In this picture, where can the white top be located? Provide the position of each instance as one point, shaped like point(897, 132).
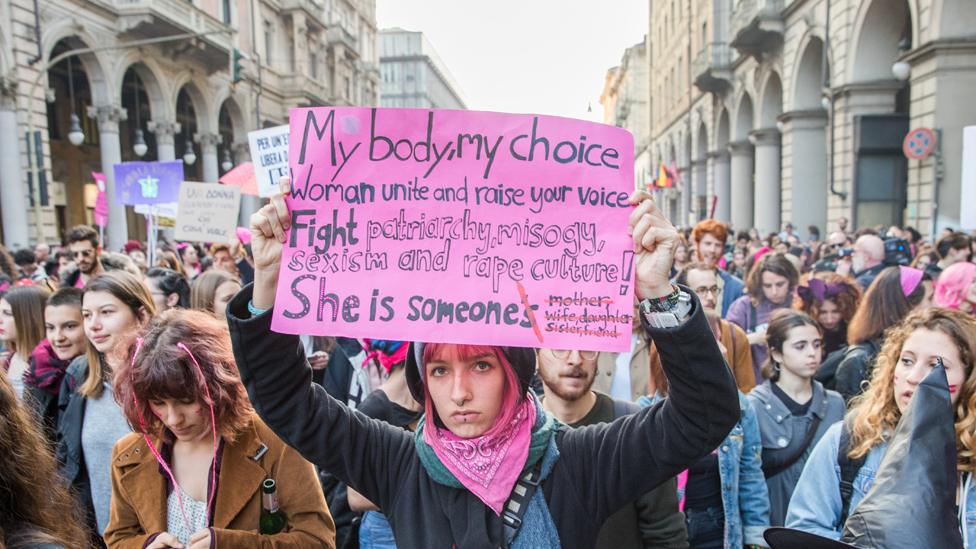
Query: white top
point(620, 385)
point(18, 367)
point(195, 516)
point(101, 427)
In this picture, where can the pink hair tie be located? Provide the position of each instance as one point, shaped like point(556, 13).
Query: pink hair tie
point(910, 278)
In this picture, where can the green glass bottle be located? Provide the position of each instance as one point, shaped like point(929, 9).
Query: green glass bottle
point(273, 519)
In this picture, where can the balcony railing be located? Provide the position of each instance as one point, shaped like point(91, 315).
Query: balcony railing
point(757, 25)
point(337, 34)
point(155, 18)
point(711, 68)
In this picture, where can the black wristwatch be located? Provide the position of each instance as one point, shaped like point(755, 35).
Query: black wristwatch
point(668, 311)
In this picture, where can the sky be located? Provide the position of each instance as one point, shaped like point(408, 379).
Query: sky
point(525, 56)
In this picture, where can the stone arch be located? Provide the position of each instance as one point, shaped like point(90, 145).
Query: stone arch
point(744, 118)
point(808, 76)
point(878, 29)
point(723, 130)
point(147, 70)
point(701, 141)
point(771, 101)
point(206, 115)
point(236, 115)
point(76, 38)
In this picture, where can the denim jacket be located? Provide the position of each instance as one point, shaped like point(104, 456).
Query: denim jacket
point(745, 500)
point(815, 506)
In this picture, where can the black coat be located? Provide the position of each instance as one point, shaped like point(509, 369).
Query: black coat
point(69, 453)
point(601, 468)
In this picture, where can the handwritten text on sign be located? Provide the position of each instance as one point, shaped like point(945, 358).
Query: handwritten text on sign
point(207, 212)
point(460, 227)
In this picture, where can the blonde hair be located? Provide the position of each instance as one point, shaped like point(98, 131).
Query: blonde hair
point(874, 414)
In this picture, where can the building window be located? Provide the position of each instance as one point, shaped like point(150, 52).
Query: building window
point(225, 4)
point(348, 87)
point(313, 62)
point(268, 42)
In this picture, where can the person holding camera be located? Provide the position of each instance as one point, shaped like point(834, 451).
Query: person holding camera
point(868, 260)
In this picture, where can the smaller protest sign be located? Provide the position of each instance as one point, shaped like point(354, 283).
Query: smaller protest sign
point(167, 210)
point(242, 176)
point(147, 182)
point(269, 154)
point(207, 212)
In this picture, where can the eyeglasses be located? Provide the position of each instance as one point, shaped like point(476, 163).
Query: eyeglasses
point(835, 245)
point(702, 290)
point(563, 354)
point(82, 253)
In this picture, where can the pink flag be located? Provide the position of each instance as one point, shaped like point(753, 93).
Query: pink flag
point(101, 203)
point(242, 176)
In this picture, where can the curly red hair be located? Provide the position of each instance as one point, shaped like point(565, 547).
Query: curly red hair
point(710, 226)
point(163, 370)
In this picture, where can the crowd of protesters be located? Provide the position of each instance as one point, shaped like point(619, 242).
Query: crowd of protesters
point(145, 405)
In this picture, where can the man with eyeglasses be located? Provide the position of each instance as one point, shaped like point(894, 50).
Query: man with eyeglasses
point(85, 249)
point(567, 380)
point(703, 279)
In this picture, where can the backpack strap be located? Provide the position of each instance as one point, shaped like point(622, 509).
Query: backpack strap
point(518, 502)
point(848, 472)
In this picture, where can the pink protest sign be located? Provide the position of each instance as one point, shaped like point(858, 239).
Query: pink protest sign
point(242, 176)
point(101, 203)
point(458, 227)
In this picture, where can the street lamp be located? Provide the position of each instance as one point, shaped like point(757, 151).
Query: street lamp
point(139, 145)
point(75, 135)
point(226, 163)
point(189, 156)
point(902, 69)
point(825, 102)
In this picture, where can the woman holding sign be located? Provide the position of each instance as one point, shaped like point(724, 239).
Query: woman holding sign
point(469, 475)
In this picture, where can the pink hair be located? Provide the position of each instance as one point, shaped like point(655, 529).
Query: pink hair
point(951, 287)
point(510, 394)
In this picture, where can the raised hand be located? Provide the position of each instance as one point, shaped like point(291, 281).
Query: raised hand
point(655, 241)
point(269, 231)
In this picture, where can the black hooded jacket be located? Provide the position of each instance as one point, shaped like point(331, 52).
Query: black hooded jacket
point(600, 469)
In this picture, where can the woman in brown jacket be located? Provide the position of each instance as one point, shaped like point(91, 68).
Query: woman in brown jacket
point(191, 475)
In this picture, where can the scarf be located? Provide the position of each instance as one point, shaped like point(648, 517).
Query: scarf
point(488, 466)
point(46, 369)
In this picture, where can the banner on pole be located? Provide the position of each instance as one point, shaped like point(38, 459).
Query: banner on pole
point(269, 156)
point(147, 182)
point(458, 227)
point(207, 212)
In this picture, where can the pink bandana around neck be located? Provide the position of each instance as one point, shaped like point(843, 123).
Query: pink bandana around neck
point(488, 465)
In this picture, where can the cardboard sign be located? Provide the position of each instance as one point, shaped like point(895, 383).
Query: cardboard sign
point(458, 227)
point(269, 155)
point(147, 182)
point(207, 212)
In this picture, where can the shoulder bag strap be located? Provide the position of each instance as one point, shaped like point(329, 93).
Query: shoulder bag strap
point(518, 502)
point(773, 470)
point(848, 472)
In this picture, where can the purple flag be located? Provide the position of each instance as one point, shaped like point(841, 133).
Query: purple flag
point(148, 182)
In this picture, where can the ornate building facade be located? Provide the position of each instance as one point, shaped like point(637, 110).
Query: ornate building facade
point(125, 90)
point(795, 110)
